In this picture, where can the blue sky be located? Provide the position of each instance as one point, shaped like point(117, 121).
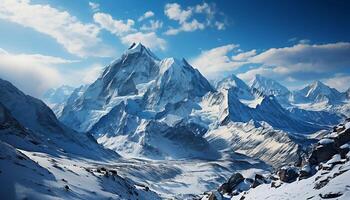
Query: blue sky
point(46, 43)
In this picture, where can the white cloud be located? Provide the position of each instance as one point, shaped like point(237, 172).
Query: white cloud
point(76, 37)
point(250, 75)
point(117, 27)
point(187, 27)
point(304, 57)
point(146, 15)
point(89, 74)
point(244, 55)
point(204, 8)
point(175, 12)
point(95, 7)
point(32, 73)
point(341, 82)
point(153, 25)
point(127, 34)
point(303, 62)
point(151, 40)
point(220, 25)
point(186, 20)
point(214, 62)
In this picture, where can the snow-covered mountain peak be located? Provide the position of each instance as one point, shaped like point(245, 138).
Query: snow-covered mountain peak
point(318, 87)
point(139, 48)
point(231, 81)
point(168, 63)
point(269, 86)
point(319, 92)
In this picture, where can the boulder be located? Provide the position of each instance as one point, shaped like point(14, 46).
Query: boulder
point(215, 195)
point(288, 174)
point(322, 152)
point(343, 150)
point(234, 180)
point(276, 184)
point(258, 180)
point(305, 172)
point(342, 138)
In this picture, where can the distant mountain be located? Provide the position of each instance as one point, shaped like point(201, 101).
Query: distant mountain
point(316, 103)
point(55, 98)
point(269, 86)
point(319, 92)
point(241, 89)
point(57, 95)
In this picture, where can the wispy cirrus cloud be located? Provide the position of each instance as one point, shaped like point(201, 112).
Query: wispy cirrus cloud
point(76, 37)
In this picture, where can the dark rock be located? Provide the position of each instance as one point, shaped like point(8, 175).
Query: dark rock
point(258, 180)
point(215, 196)
point(66, 187)
point(321, 184)
point(305, 172)
point(342, 138)
point(331, 195)
point(114, 172)
point(288, 174)
point(225, 188)
point(343, 150)
point(322, 153)
point(275, 184)
point(234, 180)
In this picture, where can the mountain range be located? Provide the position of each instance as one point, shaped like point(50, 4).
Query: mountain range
point(142, 106)
point(151, 128)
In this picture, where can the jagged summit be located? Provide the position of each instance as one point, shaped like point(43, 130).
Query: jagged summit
point(319, 92)
point(269, 86)
point(231, 81)
point(139, 48)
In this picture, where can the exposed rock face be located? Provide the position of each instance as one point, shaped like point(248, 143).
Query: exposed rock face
point(234, 180)
point(288, 174)
point(334, 143)
point(322, 153)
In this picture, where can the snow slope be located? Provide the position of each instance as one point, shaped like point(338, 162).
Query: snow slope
point(31, 175)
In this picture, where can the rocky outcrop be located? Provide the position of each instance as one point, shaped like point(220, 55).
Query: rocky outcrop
point(230, 185)
point(328, 159)
point(288, 174)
